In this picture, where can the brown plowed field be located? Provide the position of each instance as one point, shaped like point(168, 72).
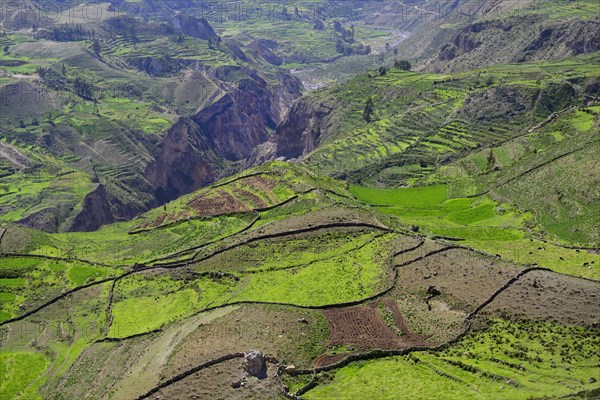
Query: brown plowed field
point(250, 198)
point(363, 328)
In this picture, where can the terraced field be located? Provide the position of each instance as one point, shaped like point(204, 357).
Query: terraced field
point(424, 121)
point(181, 219)
point(333, 282)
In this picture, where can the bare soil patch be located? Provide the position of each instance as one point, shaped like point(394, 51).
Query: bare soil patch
point(294, 336)
point(250, 198)
point(215, 383)
point(363, 328)
point(550, 296)
point(217, 203)
point(263, 184)
point(464, 278)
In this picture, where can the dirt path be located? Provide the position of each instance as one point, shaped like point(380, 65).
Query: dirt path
point(144, 374)
point(13, 156)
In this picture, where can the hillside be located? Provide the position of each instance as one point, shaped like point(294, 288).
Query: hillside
point(302, 199)
point(284, 245)
point(120, 102)
point(483, 131)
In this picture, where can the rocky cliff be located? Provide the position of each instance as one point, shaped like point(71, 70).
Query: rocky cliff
point(95, 212)
point(303, 129)
point(197, 149)
point(517, 39)
point(183, 163)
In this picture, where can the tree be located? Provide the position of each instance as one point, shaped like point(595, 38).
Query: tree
point(214, 41)
point(96, 47)
point(369, 109)
point(83, 89)
point(403, 65)
point(491, 160)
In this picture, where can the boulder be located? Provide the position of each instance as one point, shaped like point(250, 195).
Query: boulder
point(254, 364)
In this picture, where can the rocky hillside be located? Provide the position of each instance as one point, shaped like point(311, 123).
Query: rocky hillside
point(138, 111)
point(515, 40)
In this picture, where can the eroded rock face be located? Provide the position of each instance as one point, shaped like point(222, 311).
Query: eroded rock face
point(197, 149)
point(300, 133)
point(182, 163)
point(254, 364)
point(263, 51)
point(517, 39)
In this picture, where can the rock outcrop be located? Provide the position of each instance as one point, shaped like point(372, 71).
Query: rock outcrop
point(516, 40)
point(183, 163)
point(197, 149)
point(303, 130)
point(264, 52)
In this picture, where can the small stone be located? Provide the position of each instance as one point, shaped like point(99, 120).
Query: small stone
point(303, 320)
point(290, 368)
point(236, 384)
point(592, 380)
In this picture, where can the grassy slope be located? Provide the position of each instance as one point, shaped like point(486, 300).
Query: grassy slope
point(426, 133)
point(484, 224)
point(507, 360)
point(144, 303)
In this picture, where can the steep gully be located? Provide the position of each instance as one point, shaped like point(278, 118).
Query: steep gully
point(198, 148)
point(216, 140)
